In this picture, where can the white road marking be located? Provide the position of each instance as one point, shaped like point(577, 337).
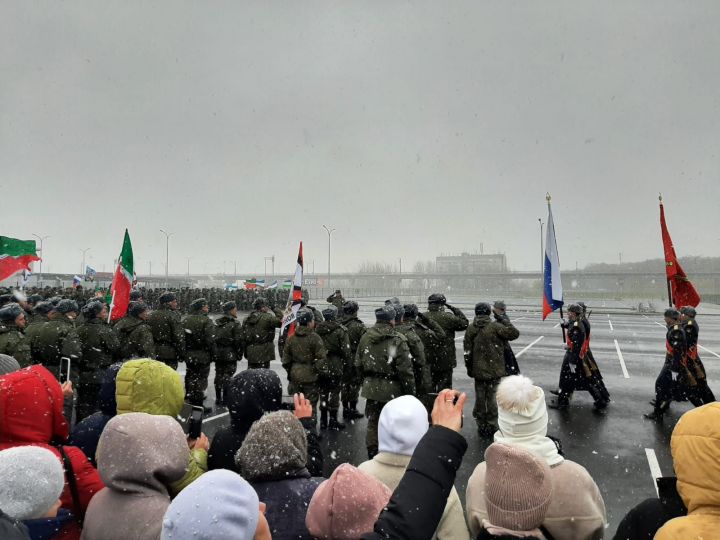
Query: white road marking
point(211, 418)
point(611, 326)
point(519, 319)
point(655, 471)
point(558, 324)
point(622, 360)
point(528, 347)
point(708, 350)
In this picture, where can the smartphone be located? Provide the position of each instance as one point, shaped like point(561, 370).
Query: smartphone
point(64, 375)
point(195, 422)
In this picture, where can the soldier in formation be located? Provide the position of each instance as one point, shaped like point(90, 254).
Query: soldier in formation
point(336, 299)
point(167, 330)
point(259, 334)
point(577, 371)
point(303, 356)
point(12, 339)
point(702, 393)
point(383, 359)
point(229, 341)
point(201, 351)
point(134, 333)
point(442, 357)
point(337, 344)
point(485, 361)
point(351, 383)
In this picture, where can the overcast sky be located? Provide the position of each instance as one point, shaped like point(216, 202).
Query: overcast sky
point(413, 128)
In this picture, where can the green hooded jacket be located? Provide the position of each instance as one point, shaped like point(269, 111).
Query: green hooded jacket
point(14, 343)
point(442, 356)
point(383, 359)
point(152, 387)
point(337, 343)
point(136, 339)
point(484, 346)
point(303, 356)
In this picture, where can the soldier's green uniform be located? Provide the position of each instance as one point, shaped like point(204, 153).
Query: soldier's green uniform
point(201, 351)
point(259, 337)
point(337, 300)
point(352, 381)
point(168, 335)
point(421, 369)
point(136, 339)
point(58, 339)
point(303, 356)
point(431, 335)
point(384, 360)
point(14, 343)
point(337, 343)
point(228, 338)
point(442, 357)
point(100, 348)
point(282, 338)
point(484, 347)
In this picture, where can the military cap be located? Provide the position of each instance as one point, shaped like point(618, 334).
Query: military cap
point(350, 307)
point(42, 308)
point(337, 291)
point(411, 311)
point(385, 313)
point(574, 308)
point(672, 313)
point(6, 299)
point(583, 306)
point(10, 312)
point(688, 311)
point(136, 295)
point(330, 313)
point(259, 303)
point(55, 300)
point(34, 299)
point(136, 308)
point(482, 308)
point(227, 307)
point(437, 298)
point(197, 305)
point(167, 297)
point(92, 309)
point(304, 317)
point(66, 306)
point(499, 304)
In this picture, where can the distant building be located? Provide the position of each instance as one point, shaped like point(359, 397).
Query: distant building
point(467, 263)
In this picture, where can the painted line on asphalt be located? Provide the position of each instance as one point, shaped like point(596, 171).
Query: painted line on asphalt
point(528, 347)
point(611, 326)
point(211, 418)
point(655, 471)
point(659, 324)
point(708, 350)
point(558, 324)
point(622, 360)
point(518, 319)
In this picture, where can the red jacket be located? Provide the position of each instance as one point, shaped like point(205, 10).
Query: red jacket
point(31, 413)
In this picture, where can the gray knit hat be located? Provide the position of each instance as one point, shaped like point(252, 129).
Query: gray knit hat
point(275, 446)
point(330, 313)
point(385, 313)
point(8, 364)
point(66, 306)
point(10, 312)
point(518, 487)
point(31, 481)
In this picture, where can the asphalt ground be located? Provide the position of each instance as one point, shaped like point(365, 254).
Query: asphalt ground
point(622, 451)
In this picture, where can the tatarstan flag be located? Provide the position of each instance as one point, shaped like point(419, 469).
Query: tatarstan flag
point(16, 255)
point(122, 281)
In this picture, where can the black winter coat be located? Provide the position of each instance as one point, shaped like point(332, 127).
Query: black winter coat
point(643, 521)
point(287, 503)
point(418, 503)
point(251, 394)
point(11, 529)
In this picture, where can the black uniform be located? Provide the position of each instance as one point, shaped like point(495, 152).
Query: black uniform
point(597, 381)
point(576, 373)
point(701, 394)
point(675, 381)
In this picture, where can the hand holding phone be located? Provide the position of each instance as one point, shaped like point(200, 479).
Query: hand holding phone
point(195, 422)
point(64, 375)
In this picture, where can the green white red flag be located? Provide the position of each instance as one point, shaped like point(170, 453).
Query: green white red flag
point(16, 255)
point(122, 281)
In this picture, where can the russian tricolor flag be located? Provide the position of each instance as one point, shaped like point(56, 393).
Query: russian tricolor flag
point(552, 285)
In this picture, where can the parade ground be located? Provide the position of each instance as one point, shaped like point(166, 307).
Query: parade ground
point(622, 451)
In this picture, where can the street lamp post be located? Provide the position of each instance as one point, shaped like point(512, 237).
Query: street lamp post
point(42, 253)
point(329, 232)
point(82, 268)
point(167, 257)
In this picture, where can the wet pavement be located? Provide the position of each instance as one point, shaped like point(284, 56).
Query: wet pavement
point(620, 449)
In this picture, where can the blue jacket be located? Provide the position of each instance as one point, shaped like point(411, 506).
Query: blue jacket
point(287, 503)
point(57, 528)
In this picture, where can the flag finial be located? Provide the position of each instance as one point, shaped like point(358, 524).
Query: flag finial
point(547, 196)
point(660, 197)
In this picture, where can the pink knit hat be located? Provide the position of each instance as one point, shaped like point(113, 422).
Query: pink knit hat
point(518, 487)
point(346, 505)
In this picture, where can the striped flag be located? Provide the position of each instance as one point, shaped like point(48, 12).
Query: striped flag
point(294, 299)
point(552, 285)
point(122, 281)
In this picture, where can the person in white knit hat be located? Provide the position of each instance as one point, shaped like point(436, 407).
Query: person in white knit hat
point(577, 509)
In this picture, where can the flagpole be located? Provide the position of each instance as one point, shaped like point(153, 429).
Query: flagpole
point(667, 279)
point(548, 199)
point(112, 305)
